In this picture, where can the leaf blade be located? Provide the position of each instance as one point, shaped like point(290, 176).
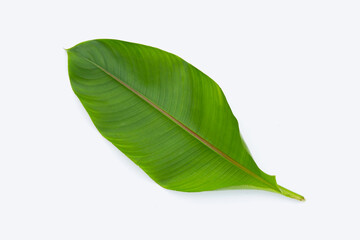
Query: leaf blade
point(144, 72)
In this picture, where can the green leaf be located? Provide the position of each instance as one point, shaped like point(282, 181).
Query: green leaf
point(168, 117)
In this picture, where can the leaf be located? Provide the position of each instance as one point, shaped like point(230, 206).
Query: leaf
point(168, 117)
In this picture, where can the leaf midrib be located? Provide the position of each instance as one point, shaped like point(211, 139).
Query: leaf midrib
point(188, 130)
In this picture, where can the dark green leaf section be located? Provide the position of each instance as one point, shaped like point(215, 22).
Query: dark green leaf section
point(167, 116)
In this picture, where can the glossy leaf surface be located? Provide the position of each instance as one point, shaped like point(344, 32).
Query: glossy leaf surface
point(168, 117)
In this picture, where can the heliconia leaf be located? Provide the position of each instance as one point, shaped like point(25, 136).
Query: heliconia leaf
point(168, 117)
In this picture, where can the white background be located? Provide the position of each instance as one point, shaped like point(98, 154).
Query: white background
point(290, 71)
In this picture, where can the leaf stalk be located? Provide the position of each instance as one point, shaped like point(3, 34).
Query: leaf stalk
point(286, 192)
